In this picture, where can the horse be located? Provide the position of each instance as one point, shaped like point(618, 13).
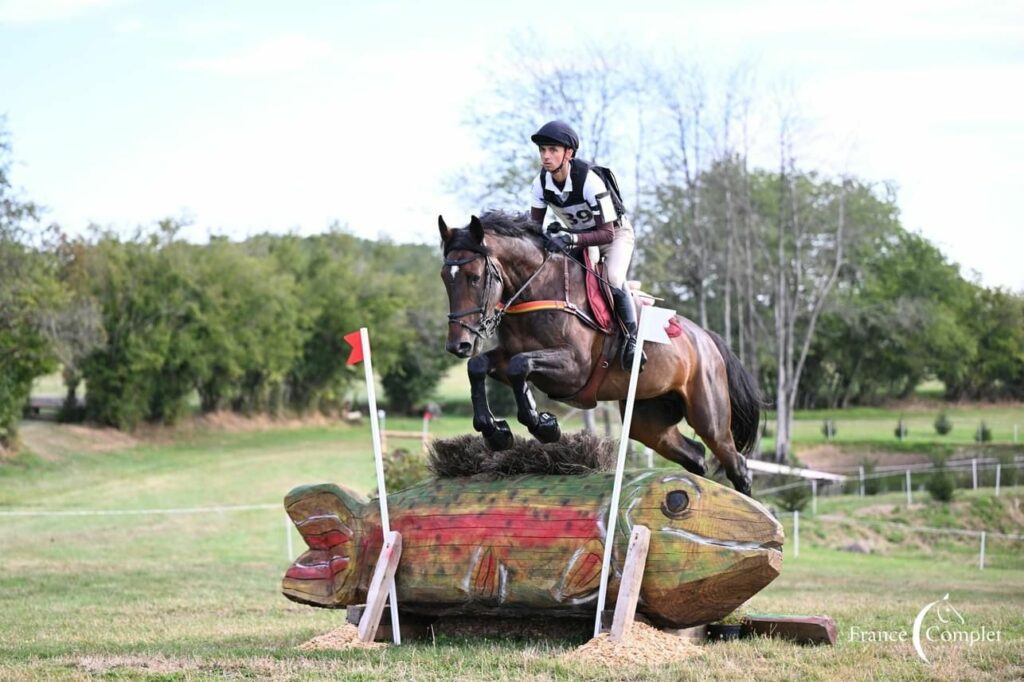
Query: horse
point(519, 313)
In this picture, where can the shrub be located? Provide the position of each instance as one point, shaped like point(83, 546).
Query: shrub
point(983, 434)
point(871, 485)
point(941, 485)
point(828, 429)
point(403, 469)
point(901, 431)
point(795, 498)
point(942, 424)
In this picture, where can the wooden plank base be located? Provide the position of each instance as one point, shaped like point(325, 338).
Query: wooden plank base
point(800, 629)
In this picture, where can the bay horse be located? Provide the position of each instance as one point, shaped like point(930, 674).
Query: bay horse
point(502, 282)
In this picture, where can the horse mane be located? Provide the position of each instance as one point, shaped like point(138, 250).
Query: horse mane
point(503, 223)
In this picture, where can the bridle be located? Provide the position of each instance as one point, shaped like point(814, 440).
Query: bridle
point(490, 314)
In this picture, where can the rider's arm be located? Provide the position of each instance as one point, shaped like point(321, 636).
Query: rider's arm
point(597, 196)
point(537, 215)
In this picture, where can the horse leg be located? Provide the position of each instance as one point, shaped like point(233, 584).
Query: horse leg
point(496, 433)
point(544, 425)
point(711, 417)
point(654, 425)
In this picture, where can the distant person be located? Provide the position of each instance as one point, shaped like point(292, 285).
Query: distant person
point(584, 204)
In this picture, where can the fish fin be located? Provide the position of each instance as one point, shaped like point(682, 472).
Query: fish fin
point(486, 576)
point(328, 518)
point(582, 574)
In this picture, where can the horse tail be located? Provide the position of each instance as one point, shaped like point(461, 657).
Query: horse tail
point(745, 398)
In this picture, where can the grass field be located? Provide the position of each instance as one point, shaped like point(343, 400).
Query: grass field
point(196, 596)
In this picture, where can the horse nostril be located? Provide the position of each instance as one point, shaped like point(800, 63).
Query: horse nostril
point(465, 348)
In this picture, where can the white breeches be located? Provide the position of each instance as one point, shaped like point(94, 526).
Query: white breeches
point(617, 253)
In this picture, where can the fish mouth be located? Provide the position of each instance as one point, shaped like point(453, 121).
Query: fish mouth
point(727, 544)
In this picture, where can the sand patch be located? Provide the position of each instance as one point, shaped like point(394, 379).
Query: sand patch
point(345, 637)
point(645, 646)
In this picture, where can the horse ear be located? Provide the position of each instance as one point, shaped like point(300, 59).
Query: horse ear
point(476, 229)
point(443, 229)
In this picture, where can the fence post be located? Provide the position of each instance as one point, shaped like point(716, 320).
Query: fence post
point(1015, 428)
point(796, 534)
point(814, 496)
point(288, 535)
point(910, 499)
point(650, 457)
point(999, 466)
point(981, 558)
point(861, 480)
point(974, 472)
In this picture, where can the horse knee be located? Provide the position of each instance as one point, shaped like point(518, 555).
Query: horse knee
point(478, 366)
point(518, 368)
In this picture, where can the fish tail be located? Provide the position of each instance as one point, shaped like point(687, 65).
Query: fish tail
point(329, 518)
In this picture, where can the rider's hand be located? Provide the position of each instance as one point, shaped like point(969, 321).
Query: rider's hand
point(562, 243)
point(554, 227)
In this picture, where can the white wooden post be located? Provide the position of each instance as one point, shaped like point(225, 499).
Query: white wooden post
point(426, 431)
point(861, 480)
point(650, 457)
point(814, 496)
point(999, 466)
point(649, 315)
point(1015, 428)
point(910, 499)
point(629, 585)
point(796, 534)
point(385, 522)
point(974, 472)
point(288, 536)
point(981, 556)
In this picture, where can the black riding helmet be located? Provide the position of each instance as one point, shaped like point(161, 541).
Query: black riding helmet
point(557, 132)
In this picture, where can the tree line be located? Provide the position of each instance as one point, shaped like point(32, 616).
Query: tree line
point(150, 321)
point(807, 272)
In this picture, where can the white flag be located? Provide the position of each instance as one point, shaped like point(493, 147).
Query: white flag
point(654, 321)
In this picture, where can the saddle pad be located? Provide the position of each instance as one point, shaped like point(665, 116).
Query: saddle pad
point(600, 306)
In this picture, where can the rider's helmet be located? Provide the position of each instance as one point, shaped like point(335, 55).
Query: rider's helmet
point(557, 132)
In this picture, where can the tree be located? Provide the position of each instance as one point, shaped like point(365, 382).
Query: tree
point(28, 289)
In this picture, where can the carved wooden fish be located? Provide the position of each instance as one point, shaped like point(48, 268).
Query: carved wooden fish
point(533, 545)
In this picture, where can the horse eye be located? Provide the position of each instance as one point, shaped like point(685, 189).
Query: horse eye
point(675, 503)
point(473, 279)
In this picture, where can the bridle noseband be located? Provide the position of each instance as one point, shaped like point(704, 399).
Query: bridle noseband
point(489, 320)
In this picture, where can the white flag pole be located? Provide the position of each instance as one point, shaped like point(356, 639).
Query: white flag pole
point(385, 523)
point(646, 313)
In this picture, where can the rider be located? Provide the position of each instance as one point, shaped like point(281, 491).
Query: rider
point(579, 197)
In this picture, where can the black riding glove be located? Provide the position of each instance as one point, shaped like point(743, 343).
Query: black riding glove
point(561, 243)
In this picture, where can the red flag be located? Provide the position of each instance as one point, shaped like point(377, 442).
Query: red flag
point(355, 340)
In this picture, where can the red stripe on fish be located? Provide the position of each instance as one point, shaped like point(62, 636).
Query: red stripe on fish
point(530, 527)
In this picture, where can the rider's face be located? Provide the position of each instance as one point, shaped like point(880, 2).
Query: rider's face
point(552, 156)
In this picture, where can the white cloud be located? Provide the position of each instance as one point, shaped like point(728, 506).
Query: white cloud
point(35, 11)
point(277, 55)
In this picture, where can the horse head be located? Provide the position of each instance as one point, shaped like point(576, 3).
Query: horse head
point(473, 284)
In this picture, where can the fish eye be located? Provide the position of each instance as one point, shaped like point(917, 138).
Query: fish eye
point(676, 502)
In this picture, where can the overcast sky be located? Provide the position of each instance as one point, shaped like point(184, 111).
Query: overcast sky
point(251, 116)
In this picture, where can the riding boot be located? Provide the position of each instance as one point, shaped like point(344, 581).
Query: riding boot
point(627, 314)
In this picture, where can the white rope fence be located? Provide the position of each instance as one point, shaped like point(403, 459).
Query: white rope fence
point(214, 509)
point(982, 535)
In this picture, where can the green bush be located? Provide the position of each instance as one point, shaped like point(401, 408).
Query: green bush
point(403, 469)
point(901, 430)
point(942, 424)
point(828, 429)
point(941, 485)
point(795, 498)
point(983, 434)
point(872, 486)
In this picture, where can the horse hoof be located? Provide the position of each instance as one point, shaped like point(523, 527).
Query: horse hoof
point(546, 430)
point(500, 438)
